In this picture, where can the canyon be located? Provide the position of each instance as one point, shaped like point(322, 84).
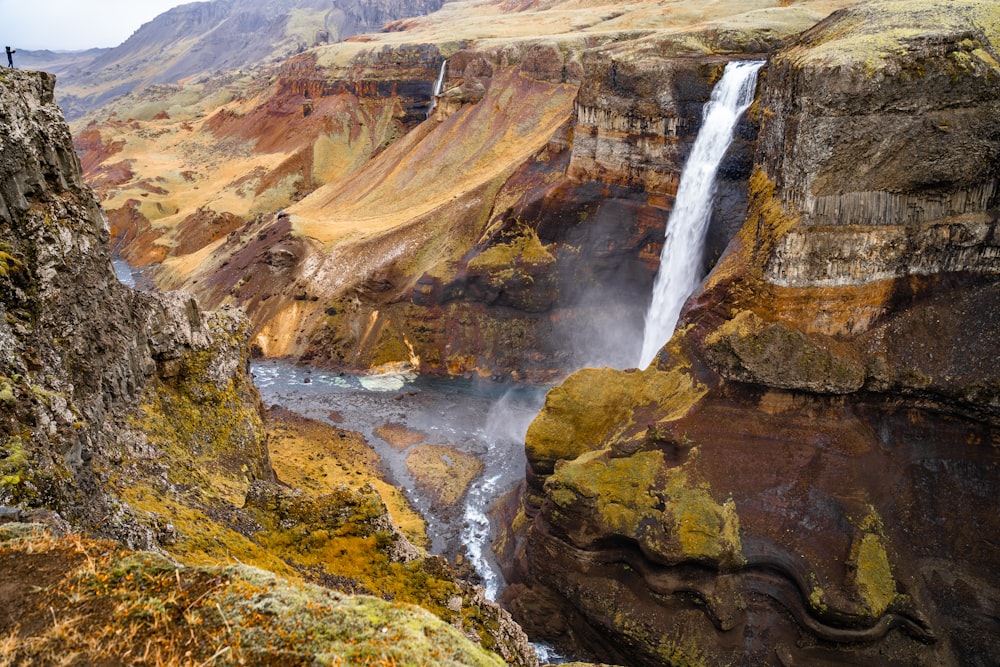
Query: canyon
point(804, 473)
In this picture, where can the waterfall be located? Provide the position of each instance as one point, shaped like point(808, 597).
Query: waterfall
point(437, 88)
point(680, 261)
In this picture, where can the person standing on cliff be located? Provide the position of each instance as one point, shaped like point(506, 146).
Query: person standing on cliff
point(10, 56)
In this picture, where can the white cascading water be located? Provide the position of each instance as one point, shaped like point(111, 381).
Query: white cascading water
point(437, 88)
point(680, 261)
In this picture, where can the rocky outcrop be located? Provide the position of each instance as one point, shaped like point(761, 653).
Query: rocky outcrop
point(805, 474)
point(82, 351)
point(132, 416)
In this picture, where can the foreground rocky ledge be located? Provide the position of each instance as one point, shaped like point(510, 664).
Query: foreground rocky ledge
point(68, 597)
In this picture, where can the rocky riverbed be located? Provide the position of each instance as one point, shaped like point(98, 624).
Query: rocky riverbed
point(454, 445)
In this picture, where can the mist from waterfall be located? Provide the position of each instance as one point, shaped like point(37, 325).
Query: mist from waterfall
point(437, 88)
point(683, 247)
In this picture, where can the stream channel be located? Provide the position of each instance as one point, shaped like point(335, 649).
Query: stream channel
point(476, 416)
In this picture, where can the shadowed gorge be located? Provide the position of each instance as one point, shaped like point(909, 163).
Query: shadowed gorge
point(802, 506)
point(404, 223)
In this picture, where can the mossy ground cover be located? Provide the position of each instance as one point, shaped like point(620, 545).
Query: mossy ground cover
point(335, 527)
point(73, 601)
point(444, 472)
point(318, 458)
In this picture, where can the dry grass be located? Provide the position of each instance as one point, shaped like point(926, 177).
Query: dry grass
point(119, 607)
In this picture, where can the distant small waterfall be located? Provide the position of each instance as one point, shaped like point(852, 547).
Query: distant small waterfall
point(680, 261)
point(437, 88)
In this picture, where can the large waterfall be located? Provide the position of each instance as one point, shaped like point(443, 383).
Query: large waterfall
point(681, 259)
point(437, 88)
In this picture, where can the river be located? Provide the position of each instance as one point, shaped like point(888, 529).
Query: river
point(480, 417)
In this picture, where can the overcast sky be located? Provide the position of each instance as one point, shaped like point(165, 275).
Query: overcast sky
point(64, 25)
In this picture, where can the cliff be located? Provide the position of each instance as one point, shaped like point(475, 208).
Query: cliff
point(131, 416)
point(80, 349)
point(805, 474)
point(489, 239)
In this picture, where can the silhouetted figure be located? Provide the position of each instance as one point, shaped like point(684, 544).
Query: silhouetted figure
point(10, 56)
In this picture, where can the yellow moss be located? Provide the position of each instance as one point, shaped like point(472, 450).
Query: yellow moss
point(9, 265)
point(745, 324)
point(595, 405)
point(817, 600)
point(318, 458)
point(872, 569)
point(398, 436)
point(444, 472)
point(641, 498)
point(200, 539)
point(705, 528)
point(111, 601)
point(523, 249)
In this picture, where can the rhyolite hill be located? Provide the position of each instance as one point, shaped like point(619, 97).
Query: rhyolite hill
point(807, 473)
point(515, 235)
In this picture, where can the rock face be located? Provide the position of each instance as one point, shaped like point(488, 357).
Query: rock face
point(515, 233)
point(81, 351)
point(805, 475)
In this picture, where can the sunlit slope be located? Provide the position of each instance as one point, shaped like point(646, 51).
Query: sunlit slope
point(421, 204)
point(427, 170)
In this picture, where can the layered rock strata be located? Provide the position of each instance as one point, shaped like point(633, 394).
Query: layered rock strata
point(455, 253)
point(805, 474)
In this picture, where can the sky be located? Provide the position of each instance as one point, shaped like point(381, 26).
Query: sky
point(65, 25)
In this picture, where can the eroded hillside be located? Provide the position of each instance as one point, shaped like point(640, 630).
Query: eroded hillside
point(515, 232)
point(131, 416)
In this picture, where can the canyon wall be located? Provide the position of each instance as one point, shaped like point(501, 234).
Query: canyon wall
point(514, 233)
point(82, 352)
point(805, 474)
point(513, 240)
point(131, 416)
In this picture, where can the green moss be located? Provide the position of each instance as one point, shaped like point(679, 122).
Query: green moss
point(7, 397)
point(14, 467)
